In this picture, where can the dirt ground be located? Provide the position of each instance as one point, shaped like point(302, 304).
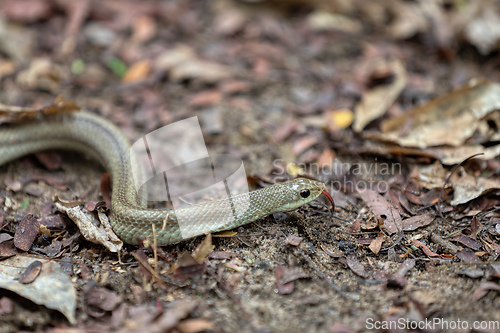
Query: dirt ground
point(263, 82)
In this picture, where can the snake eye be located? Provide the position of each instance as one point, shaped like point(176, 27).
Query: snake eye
point(305, 193)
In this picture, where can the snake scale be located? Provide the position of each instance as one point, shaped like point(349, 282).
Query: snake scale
point(130, 219)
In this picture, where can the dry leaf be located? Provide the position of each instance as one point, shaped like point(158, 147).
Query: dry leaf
point(285, 277)
point(467, 241)
point(376, 244)
point(448, 120)
point(30, 273)
point(137, 72)
point(94, 230)
point(195, 325)
point(26, 232)
point(356, 266)
point(484, 30)
point(376, 101)
point(381, 207)
point(52, 288)
point(418, 221)
point(484, 288)
point(468, 255)
point(466, 187)
point(322, 20)
point(424, 248)
point(144, 29)
point(202, 251)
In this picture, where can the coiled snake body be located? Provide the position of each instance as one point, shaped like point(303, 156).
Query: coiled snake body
point(129, 218)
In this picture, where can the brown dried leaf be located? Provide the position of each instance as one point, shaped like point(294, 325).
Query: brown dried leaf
point(26, 232)
point(292, 273)
point(53, 249)
point(454, 155)
point(467, 255)
point(418, 221)
point(326, 159)
point(484, 288)
point(356, 266)
point(30, 273)
point(304, 143)
point(195, 325)
point(151, 321)
point(448, 120)
point(3, 220)
point(5, 237)
point(425, 249)
point(143, 29)
point(95, 230)
point(468, 187)
point(25, 10)
point(137, 72)
point(50, 160)
point(232, 87)
point(381, 207)
point(491, 247)
point(202, 251)
point(355, 226)
point(104, 299)
point(409, 20)
point(7, 249)
point(476, 227)
point(404, 268)
point(187, 267)
point(398, 278)
point(205, 98)
point(467, 241)
point(52, 288)
point(376, 101)
point(293, 240)
point(189, 271)
point(484, 30)
point(200, 70)
point(376, 244)
point(283, 289)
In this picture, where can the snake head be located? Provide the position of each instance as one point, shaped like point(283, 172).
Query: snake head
point(301, 191)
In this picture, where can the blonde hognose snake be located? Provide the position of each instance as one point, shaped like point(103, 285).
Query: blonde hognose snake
point(88, 133)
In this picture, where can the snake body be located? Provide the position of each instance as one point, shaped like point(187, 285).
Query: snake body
point(130, 219)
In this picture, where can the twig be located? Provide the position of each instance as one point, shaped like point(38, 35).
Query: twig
point(148, 267)
point(452, 248)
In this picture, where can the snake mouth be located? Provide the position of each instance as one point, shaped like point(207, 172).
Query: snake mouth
point(329, 197)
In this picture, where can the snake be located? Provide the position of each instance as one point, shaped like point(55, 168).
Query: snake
point(130, 218)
